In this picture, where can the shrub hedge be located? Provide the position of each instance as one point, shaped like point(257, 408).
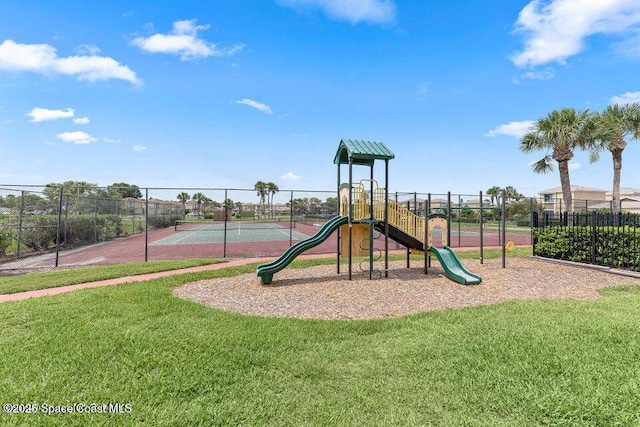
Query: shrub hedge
point(608, 246)
point(39, 232)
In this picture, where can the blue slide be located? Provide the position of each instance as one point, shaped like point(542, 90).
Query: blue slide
point(266, 271)
point(453, 267)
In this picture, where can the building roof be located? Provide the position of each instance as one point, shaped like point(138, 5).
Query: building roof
point(626, 191)
point(574, 188)
point(361, 152)
point(625, 205)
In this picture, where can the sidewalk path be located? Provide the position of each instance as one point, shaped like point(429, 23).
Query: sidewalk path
point(128, 279)
point(144, 277)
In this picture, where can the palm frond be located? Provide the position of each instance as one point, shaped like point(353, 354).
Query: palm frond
point(544, 165)
point(530, 142)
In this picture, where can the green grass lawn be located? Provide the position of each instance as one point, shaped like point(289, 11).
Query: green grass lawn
point(64, 277)
point(178, 363)
point(489, 227)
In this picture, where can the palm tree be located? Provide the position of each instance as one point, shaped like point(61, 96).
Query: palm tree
point(614, 124)
point(207, 202)
point(512, 194)
point(261, 189)
point(494, 192)
point(272, 189)
point(199, 198)
point(184, 198)
point(238, 206)
point(561, 131)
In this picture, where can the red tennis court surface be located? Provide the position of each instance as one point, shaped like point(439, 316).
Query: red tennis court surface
point(132, 249)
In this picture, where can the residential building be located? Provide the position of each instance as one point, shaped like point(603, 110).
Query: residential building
point(629, 201)
point(583, 198)
point(411, 204)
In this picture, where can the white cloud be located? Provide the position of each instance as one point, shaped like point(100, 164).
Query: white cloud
point(353, 11)
point(255, 104)
point(626, 98)
point(574, 166)
point(43, 59)
point(630, 46)
point(183, 40)
point(544, 75)
point(38, 114)
point(88, 49)
point(111, 141)
point(517, 129)
point(556, 29)
point(290, 176)
point(139, 148)
point(81, 120)
point(77, 137)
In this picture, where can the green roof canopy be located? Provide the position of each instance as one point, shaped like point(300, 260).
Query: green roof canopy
point(361, 152)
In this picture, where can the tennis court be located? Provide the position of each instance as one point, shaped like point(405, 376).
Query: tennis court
point(189, 232)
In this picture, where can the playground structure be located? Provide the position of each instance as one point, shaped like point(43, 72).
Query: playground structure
point(366, 214)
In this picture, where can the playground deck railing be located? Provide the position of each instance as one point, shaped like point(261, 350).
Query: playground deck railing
point(398, 216)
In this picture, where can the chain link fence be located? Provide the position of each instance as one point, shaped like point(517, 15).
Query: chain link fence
point(51, 226)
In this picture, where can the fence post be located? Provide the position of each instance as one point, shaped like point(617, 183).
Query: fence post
point(407, 222)
point(428, 212)
point(504, 230)
point(224, 238)
point(533, 248)
point(66, 217)
point(594, 228)
point(449, 218)
point(459, 218)
point(481, 228)
point(95, 220)
point(292, 220)
point(397, 244)
point(146, 225)
point(59, 224)
point(560, 209)
point(117, 219)
point(20, 215)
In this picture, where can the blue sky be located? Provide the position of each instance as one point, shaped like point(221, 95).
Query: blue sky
point(226, 93)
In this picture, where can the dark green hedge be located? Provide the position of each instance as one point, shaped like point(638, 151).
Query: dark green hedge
point(39, 232)
point(609, 246)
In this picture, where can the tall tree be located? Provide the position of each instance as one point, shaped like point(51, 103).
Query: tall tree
point(494, 192)
point(261, 190)
point(238, 206)
point(512, 194)
point(76, 188)
point(613, 126)
point(125, 190)
point(314, 204)
point(272, 189)
point(184, 198)
point(199, 198)
point(76, 195)
point(331, 205)
point(561, 132)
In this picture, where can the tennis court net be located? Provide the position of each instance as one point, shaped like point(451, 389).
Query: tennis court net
point(220, 226)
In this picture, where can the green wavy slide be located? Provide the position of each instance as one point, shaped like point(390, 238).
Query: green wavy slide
point(266, 271)
point(453, 267)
